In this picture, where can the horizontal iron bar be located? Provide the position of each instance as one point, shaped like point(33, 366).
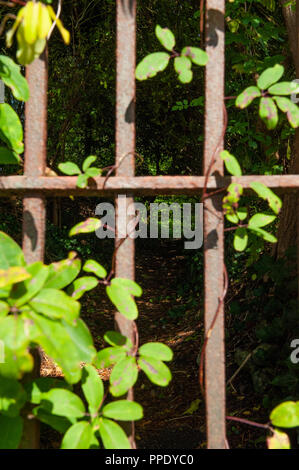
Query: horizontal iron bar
point(138, 185)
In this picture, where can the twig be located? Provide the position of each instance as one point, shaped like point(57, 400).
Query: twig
point(55, 21)
point(250, 423)
point(181, 417)
point(229, 382)
point(228, 229)
point(5, 19)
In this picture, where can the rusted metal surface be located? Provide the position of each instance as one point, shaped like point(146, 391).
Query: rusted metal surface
point(125, 152)
point(125, 131)
point(34, 209)
point(139, 185)
point(34, 212)
point(213, 228)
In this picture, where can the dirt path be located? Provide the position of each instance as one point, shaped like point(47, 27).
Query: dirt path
point(164, 316)
point(165, 425)
point(159, 272)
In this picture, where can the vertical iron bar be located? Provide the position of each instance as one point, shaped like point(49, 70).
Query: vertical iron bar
point(34, 208)
point(125, 149)
point(34, 215)
point(213, 227)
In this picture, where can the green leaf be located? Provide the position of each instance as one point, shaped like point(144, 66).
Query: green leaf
point(12, 275)
point(78, 436)
point(157, 350)
point(151, 65)
point(123, 410)
point(260, 220)
point(268, 237)
point(268, 112)
point(11, 432)
point(89, 225)
point(131, 286)
point(88, 161)
point(284, 88)
point(9, 157)
point(94, 444)
point(156, 370)
point(123, 376)
point(232, 217)
point(59, 423)
point(4, 308)
point(182, 66)
point(81, 336)
point(120, 295)
point(112, 435)
point(279, 440)
point(12, 396)
point(24, 291)
point(74, 340)
point(10, 253)
point(197, 55)
point(108, 357)
point(93, 389)
point(63, 272)
point(82, 181)
point(93, 172)
point(36, 388)
point(288, 107)
point(11, 131)
point(56, 304)
point(62, 403)
point(240, 239)
point(166, 37)
point(286, 415)
point(270, 76)
point(69, 168)
point(117, 339)
point(91, 266)
point(235, 191)
point(10, 74)
point(193, 407)
point(15, 335)
point(231, 163)
point(247, 96)
point(4, 293)
point(82, 285)
point(267, 194)
point(242, 213)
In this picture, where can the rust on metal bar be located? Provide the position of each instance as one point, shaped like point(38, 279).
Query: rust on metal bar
point(34, 204)
point(125, 151)
point(213, 228)
point(139, 185)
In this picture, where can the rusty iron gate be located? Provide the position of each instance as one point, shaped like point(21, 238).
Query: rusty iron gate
point(34, 187)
